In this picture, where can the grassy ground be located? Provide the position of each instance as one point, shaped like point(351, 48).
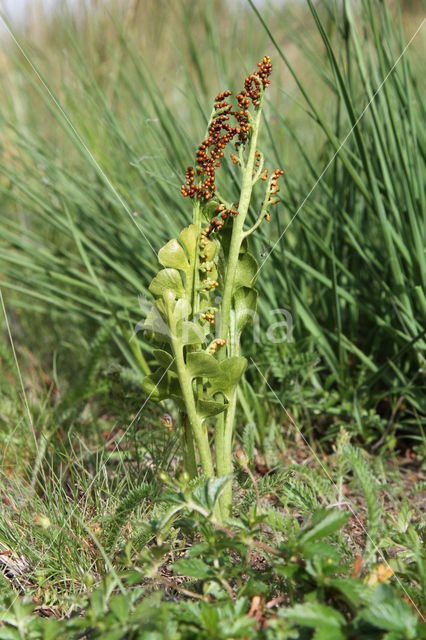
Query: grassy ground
point(100, 535)
point(97, 513)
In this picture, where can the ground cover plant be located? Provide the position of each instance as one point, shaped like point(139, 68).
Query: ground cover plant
point(235, 450)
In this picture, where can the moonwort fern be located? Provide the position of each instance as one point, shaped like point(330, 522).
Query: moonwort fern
point(205, 295)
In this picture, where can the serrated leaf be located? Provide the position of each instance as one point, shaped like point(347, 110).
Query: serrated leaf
point(201, 364)
point(245, 274)
point(321, 550)
point(245, 305)
point(354, 591)
point(146, 606)
point(314, 614)
point(388, 611)
point(120, 607)
point(329, 522)
point(167, 280)
point(193, 568)
point(241, 627)
point(325, 633)
point(172, 255)
point(97, 603)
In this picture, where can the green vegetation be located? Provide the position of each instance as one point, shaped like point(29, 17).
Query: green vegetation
point(212, 259)
point(107, 527)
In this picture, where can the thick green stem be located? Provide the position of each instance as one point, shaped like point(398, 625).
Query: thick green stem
point(195, 302)
point(197, 219)
point(228, 432)
point(225, 422)
point(197, 427)
point(238, 230)
point(188, 448)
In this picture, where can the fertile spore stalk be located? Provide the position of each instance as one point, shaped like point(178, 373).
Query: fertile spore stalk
point(205, 293)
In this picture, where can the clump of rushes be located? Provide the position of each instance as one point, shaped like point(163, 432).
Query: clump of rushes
point(204, 295)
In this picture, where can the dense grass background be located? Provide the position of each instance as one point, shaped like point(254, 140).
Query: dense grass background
point(99, 120)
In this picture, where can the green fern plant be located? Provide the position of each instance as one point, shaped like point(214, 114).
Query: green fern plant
point(204, 295)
